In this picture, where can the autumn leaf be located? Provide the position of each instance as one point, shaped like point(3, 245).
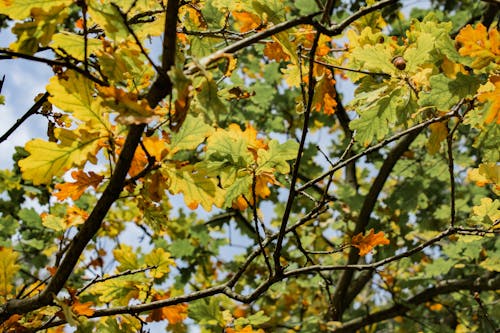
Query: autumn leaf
point(161, 261)
point(21, 9)
point(74, 190)
point(246, 329)
point(8, 270)
point(274, 51)
point(155, 147)
point(174, 313)
point(491, 93)
point(324, 95)
point(245, 21)
point(479, 44)
point(82, 309)
point(439, 131)
point(366, 243)
point(48, 159)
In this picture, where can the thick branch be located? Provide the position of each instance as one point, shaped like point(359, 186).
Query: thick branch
point(490, 282)
point(158, 91)
point(345, 280)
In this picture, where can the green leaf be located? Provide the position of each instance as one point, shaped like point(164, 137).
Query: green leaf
point(447, 92)
point(180, 248)
point(255, 319)
point(126, 257)
point(208, 99)
point(438, 267)
point(190, 135)
point(196, 187)
point(53, 222)
point(110, 20)
point(378, 117)
point(277, 156)
point(205, 311)
point(306, 6)
point(374, 58)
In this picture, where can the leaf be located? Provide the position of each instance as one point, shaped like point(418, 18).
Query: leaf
point(75, 189)
point(109, 19)
point(39, 31)
point(21, 9)
point(190, 135)
point(479, 44)
point(196, 187)
point(489, 209)
point(119, 290)
point(49, 159)
point(246, 21)
point(276, 157)
point(126, 257)
point(205, 311)
point(161, 260)
point(487, 173)
point(324, 95)
point(374, 58)
point(439, 132)
point(181, 248)
point(492, 111)
point(366, 243)
point(174, 313)
point(67, 43)
point(82, 309)
point(246, 329)
point(380, 111)
point(447, 92)
point(8, 270)
point(75, 94)
point(155, 147)
point(131, 109)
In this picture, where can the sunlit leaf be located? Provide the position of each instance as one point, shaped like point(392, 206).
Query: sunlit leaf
point(365, 244)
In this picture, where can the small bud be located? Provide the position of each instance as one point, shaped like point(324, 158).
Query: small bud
point(399, 62)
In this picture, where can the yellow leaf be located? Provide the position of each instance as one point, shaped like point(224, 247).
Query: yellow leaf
point(161, 260)
point(155, 147)
point(21, 9)
point(127, 258)
point(439, 131)
point(487, 173)
point(75, 189)
point(246, 329)
point(8, 270)
point(48, 159)
point(366, 243)
point(67, 43)
point(75, 94)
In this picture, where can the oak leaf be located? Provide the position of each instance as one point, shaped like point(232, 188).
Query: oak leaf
point(82, 309)
point(480, 44)
point(246, 21)
point(74, 190)
point(174, 313)
point(492, 96)
point(366, 243)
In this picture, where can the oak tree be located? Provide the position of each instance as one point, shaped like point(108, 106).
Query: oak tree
point(205, 166)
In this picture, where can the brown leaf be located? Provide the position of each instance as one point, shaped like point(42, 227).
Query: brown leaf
point(75, 190)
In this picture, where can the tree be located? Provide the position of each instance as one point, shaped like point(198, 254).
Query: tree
point(389, 226)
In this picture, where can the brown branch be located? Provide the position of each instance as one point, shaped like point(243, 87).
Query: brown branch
point(33, 110)
point(488, 282)
point(364, 217)
point(11, 55)
point(379, 145)
point(295, 172)
point(111, 193)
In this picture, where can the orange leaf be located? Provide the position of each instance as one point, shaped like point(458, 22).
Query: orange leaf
point(274, 51)
point(75, 190)
point(493, 112)
point(246, 329)
point(156, 148)
point(480, 44)
point(246, 21)
point(324, 96)
point(82, 309)
point(174, 313)
point(366, 243)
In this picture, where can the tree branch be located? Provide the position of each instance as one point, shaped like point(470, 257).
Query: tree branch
point(34, 109)
point(489, 282)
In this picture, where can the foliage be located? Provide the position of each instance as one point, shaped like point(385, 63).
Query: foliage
point(216, 137)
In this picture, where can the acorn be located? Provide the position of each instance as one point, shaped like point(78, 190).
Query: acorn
point(399, 62)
